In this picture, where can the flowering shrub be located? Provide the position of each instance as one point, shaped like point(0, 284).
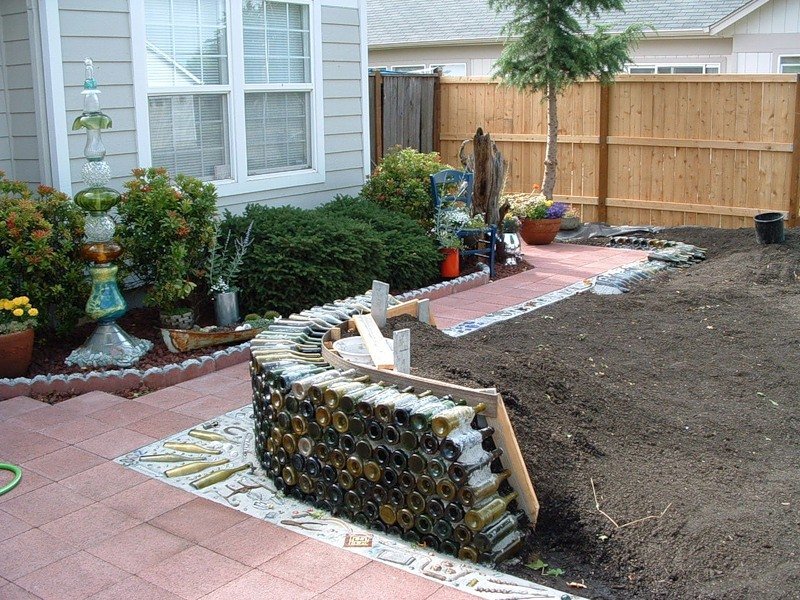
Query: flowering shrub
point(41, 234)
point(536, 207)
point(17, 314)
point(167, 228)
point(402, 183)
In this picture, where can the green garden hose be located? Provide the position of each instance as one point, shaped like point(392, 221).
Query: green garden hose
point(14, 481)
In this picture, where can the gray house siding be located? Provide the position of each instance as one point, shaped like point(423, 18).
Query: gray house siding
point(344, 142)
point(19, 144)
point(102, 30)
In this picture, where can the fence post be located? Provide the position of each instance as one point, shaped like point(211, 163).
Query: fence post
point(602, 160)
point(794, 184)
point(437, 111)
point(378, 110)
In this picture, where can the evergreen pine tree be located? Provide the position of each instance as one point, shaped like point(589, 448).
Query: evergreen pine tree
point(549, 48)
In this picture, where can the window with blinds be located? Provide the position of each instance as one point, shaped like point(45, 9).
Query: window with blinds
point(195, 84)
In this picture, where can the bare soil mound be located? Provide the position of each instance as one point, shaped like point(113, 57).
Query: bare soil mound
point(684, 393)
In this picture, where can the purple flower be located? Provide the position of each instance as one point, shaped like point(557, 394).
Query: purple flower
point(556, 211)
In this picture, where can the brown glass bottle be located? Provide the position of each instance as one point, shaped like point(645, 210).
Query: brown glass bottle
point(446, 490)
point(322, 416)
point(355, 466)
point(471, 496)
point(289, 475)
point(335, 391)
point(337, 458)
point(453, 418)
point(340, 422)
point(305, 483)
point(372, 471)
point(468, 553)
point(425, 485)
point(405, 518)
point(346, 480)
point(420, 418)
point(478, 518)
point(460, 472)
point(388, 514)
point(299, 425)
point(289, 443)
point(462, 534)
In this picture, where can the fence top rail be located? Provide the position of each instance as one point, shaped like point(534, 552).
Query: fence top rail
point(624, 78)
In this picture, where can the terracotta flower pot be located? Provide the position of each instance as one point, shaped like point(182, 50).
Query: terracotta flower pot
point(450, 266)
point(539, 232)
point(17, 353)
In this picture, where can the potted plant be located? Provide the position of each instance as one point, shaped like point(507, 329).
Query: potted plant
point(449, 246)
point(224, 262)
point(167, 229)
point(17, 320)
point(540, 218)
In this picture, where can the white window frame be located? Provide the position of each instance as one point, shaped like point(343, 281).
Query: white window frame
point(656, 66)
point(433, 67)
point(240, 182)
point(415, 67)
point(795, 56)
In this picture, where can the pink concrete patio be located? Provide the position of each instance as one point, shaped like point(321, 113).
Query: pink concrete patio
point(81, 526)
point(556, 266)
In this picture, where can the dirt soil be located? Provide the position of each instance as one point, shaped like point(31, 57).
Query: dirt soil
point(679, 400)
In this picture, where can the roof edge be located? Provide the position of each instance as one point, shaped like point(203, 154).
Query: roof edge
point(737, 15)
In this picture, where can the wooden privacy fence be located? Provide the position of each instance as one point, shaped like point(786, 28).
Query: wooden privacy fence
point(403, 112)
point(709, 150)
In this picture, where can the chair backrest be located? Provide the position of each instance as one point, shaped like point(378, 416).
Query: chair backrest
point(451, 185)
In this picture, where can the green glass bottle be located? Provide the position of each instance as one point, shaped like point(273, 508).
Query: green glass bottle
point(473, 495)
point(478, 518)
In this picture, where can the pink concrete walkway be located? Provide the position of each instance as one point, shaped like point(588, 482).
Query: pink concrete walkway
point(556, 266)
point(81, 526)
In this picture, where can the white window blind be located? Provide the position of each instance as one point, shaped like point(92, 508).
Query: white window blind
point(197, 84)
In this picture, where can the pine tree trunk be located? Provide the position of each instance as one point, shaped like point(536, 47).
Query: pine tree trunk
point(551, 154)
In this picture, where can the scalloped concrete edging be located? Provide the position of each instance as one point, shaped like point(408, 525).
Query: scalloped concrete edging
point(159, 377)
point(121, 379)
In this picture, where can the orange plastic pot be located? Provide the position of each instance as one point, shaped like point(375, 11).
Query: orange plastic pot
point(450, 266)
point(16, 352)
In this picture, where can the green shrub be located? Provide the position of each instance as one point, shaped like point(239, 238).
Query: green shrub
point(41, 235)
point(402, 183)
point(412, 256)
point(166, 228)
point(300, 258)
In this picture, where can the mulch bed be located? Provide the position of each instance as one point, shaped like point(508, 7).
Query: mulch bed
point(48, 358)
point(684, 393)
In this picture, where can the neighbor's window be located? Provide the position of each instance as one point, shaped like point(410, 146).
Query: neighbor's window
point(194, 86)
point(452, 69)
point(407, 68)
point(698, 69)
point(790, 64)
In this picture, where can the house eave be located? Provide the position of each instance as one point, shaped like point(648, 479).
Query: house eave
point(737, 15)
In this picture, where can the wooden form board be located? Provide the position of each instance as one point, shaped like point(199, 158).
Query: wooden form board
point(495, 414)
point(373, 340)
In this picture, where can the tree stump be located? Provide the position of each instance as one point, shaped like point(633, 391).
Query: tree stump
point(489, 168)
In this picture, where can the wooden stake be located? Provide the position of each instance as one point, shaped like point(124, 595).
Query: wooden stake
point(380, 302)
point(402, 351)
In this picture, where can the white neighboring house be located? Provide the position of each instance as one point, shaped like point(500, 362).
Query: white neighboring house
point(266, 99)
point(690, 36)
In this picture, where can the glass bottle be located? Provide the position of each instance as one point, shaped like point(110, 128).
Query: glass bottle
point(453, 418)
point(478, 518)
point(409, 441)
point(417, 463)
point(336, 390)
point(372, 471)
point(446, 490)
point(420, 418)
point(454, 446)
point(355, 466)
point(435, 508)
point(416, 502)
point(472, 496)
point(425, 485)
point(429, 443)
point(460, 472)
point(347, 403)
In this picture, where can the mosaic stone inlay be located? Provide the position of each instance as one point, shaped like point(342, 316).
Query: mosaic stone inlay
point(230, 438)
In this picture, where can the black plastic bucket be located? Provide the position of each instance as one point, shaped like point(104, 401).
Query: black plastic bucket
point(769, 228)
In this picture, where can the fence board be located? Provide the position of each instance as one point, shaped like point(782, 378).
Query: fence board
point(672, 150)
